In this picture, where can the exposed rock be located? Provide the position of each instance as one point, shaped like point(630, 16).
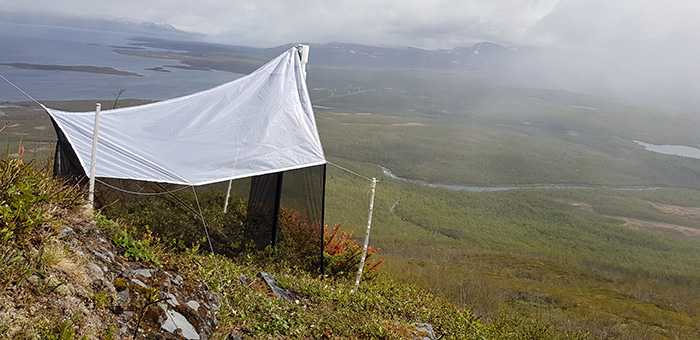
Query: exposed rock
point(175, 321)
point(244, 280)
point(193, 304)
point(143, 272)
point(233, 337)
point(423, 331)
point(65, 232)
point(278, 291)
point(102, 291)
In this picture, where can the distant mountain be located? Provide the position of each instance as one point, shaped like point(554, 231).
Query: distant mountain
point(483, 55)
point(97, 24)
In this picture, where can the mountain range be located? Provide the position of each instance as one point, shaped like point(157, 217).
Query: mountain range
point(96, 24)
point(484, 55)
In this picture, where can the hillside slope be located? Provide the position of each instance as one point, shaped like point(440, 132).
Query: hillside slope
point(67, 275)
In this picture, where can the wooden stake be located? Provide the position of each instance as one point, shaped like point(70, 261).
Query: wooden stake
point(91, 204)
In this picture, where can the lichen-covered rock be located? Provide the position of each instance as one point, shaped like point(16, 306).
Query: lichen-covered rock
point(423, 331)
point(167, 304)
point(98, 292)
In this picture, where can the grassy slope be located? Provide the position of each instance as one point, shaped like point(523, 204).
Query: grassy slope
point(38, 206)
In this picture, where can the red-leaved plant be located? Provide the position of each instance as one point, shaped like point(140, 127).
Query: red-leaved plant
point(300, 244)
point(344, 253)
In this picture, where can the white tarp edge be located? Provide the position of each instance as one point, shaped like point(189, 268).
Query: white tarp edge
point(258, 124)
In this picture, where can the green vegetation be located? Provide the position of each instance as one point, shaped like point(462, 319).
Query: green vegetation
point(323, 308)
point(168, 218)
point(380, 309)
point(617, 260)
point(211, 61)
point(559, 256)
point(72, 68)
point(33, 207)
point(472, 153)
point(62, 330)
point(136, 249)
point(28, 200)
point(618, 263)
point(472, 129)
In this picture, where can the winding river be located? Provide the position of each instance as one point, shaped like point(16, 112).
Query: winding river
point(471, 188)
point(677, 150)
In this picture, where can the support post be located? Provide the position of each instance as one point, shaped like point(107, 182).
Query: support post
point(278, 204)
point(228, 195)
point(323, 219)
point(364, 248)
point(91, 204)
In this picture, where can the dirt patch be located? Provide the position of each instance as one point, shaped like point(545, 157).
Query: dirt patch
point(580, 205)
point(434, 164)
point(408, 124)
point(658, 227)
point(359, 124)
point(685, 212)
point(650, 226)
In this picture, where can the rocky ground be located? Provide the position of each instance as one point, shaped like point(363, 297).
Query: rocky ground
point(87, 288)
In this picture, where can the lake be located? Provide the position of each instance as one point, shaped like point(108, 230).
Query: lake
point(50, 45)
point(677, 150)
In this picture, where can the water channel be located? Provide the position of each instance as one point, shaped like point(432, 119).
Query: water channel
point(471, 188)
point(677, 150)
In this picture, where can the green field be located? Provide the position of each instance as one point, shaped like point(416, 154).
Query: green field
point(618, 262)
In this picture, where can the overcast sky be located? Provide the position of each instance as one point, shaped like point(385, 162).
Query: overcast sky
point(419, 23)
point(632, 44)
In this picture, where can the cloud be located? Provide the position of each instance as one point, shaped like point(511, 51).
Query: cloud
point(430, 24)
point(619, 46)
point(420, 23)
point(611, 24)
point(641, 49)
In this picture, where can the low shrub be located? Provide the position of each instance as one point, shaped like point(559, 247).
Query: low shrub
point(171, 218)
point(342, 255)
point(29, 200)
point(300, 246)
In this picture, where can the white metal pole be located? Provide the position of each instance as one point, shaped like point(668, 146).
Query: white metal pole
point(304, 58)
point(91, 204)
point(364, 248)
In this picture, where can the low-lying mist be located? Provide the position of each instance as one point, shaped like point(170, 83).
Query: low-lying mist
point(664, 73)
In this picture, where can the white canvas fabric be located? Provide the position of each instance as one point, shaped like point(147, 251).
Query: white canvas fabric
point(258, 124)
